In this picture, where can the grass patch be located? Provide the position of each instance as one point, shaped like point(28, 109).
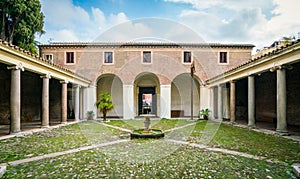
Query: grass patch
point(249, 141)
point(162, 124)
point(149, 158)
point(185, 162)
point(55, 140)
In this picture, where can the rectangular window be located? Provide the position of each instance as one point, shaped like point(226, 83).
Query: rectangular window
point(48, 58)
point(146, 56)
point(223, 57)
point(108, 57)
point(70, 57)
point(187, 57)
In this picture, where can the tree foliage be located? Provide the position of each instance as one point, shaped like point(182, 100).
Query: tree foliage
point(104, 104)
point(20, 21)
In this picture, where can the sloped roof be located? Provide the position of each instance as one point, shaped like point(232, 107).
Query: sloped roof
point(36, 57)
point(143, 44)
point(265, 55)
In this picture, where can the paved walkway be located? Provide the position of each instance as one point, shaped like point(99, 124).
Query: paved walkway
point(266, 131)
point(51, 155)
point(36, 128)
point(226, 151)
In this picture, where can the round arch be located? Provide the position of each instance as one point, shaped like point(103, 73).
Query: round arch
point(112, 84)
point(146, 94)
point(181, 96)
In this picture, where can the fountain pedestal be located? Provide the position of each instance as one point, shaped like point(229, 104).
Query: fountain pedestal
point(147, 122)
point(147, 132)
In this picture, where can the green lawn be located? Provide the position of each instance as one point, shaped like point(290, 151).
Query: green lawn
point(185, 162)
point(162, 124)
point(150, 158)
point(55, 140)
point(249, 141)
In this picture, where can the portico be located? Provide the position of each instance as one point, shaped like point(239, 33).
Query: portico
point(33, 83)
point(266, 96)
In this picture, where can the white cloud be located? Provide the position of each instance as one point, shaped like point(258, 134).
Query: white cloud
point(258, 22)
point(66, 22)
point(245, 21)
point(228, 4)
point(65, 35)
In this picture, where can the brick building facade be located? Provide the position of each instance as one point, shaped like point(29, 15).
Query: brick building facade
point(130, 71)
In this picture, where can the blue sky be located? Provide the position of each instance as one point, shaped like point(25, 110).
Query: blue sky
point(259, 22)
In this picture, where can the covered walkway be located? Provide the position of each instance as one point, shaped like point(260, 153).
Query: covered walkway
point(261, 92)
point(37, 93)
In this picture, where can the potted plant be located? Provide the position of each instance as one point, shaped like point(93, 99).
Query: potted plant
point(204, 113)
point(104, 104)
point(90, 115)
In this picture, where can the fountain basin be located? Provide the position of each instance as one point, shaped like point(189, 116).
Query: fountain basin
point(147, 134)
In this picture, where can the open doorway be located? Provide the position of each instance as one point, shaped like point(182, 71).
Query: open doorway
point(147, 100)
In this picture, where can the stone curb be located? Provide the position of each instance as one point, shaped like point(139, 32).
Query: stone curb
point(2, 170)
point(265, 131)
point(180, 127)
point(296, 169)
point(32, 131)
point(17, 162)
point(115, 127)
point(226, 151)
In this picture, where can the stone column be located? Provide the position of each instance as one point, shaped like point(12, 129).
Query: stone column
point(227, 103)
point(45, 101)
point(165, 101)
point(15, 99)
point(77, 103)
point(220, 102)
point(85, 98)
point(128, 102)
point(205, 98)
point(64, 101)
point(281, 101)
point(81, 102)
point(251, 101)
point(232, 101)
point(89, 100)
point(212, 102)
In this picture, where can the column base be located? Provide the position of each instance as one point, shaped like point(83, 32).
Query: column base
point(46, 126)
point(232, 122)
point(282, 132)
point(64, 122)
point(251, 126)
point(14, 133)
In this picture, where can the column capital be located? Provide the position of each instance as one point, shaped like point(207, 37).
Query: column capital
point(233, 81)
point(221, 85)
point(48, 75)
point(64, 81)
point(76, 86)
point(92, 86)
point(165, 86)
point(275, 68)
point(280, 67)
point(16, 67)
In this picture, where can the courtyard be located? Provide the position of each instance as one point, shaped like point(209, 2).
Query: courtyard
point(190, 149)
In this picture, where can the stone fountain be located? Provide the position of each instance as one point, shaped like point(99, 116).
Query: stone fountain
point(147, 132)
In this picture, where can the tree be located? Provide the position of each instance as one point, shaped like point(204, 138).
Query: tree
point(104, 104)
point(20, 21)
